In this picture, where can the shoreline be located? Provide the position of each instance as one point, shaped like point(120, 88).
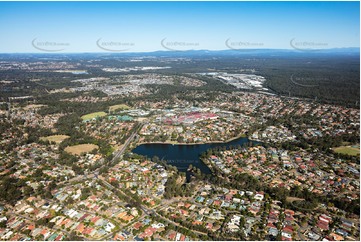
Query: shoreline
point(201, 143)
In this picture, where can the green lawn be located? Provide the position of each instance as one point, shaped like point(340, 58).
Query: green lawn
point(348, 150)
point(93, 115)
point(55, 138)
point(82, 148)
point(117, 107)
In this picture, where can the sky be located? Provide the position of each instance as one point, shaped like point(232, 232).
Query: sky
point(31, 27)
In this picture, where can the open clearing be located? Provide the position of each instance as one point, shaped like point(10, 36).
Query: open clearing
point(292, 199)
point(93, 115)
point(55, 138)
point(79, 149)
point(348, 150)
point(117, 107)
point(34, 106)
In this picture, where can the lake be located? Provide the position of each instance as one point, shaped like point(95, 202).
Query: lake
point(182, 156)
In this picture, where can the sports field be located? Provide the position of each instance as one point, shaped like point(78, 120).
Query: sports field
point(117, 107)
point(348, 150)
point(55, 138)
point(34, 106)
point(79, 149)
point(93, 115)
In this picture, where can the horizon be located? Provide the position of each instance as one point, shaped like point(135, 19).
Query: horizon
point(145, 27)
point(243, 51)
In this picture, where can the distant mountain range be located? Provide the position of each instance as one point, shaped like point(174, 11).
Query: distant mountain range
point(254, 51)
point(205, 53)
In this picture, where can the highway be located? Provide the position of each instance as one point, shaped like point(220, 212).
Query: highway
point(117, 155)
point(120, 152)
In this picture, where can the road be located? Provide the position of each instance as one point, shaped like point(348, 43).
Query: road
point(120, 152)
point(95, 173)
point(300, 235)
point(116, 156)
point(152, 211)
point(146, 211)
point(32, 220)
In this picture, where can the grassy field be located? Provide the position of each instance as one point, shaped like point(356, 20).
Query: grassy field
point(348, 150)
point(292, 199)
point(93, 115)
point(34, 106)
point(79, 149)
point(55, 138)
point(117, 107)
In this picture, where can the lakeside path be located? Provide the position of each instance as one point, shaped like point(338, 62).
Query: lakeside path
point(200, 143)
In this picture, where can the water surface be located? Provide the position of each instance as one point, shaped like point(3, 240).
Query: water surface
point(182, 156)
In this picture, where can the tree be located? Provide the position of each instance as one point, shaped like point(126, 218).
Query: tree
point(74, 237)
point(10, 190)
point(3, 224)
point(155, 159)
point(28, 191)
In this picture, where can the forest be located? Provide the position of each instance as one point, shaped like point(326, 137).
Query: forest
point(331, 77)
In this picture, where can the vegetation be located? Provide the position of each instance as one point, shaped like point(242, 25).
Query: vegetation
point(118, 107)
point(82, 148)
point(244, 181)
point(55, 138)
point(331, 75)
point(93, 115)
point(348, 150)
point(11, 189)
